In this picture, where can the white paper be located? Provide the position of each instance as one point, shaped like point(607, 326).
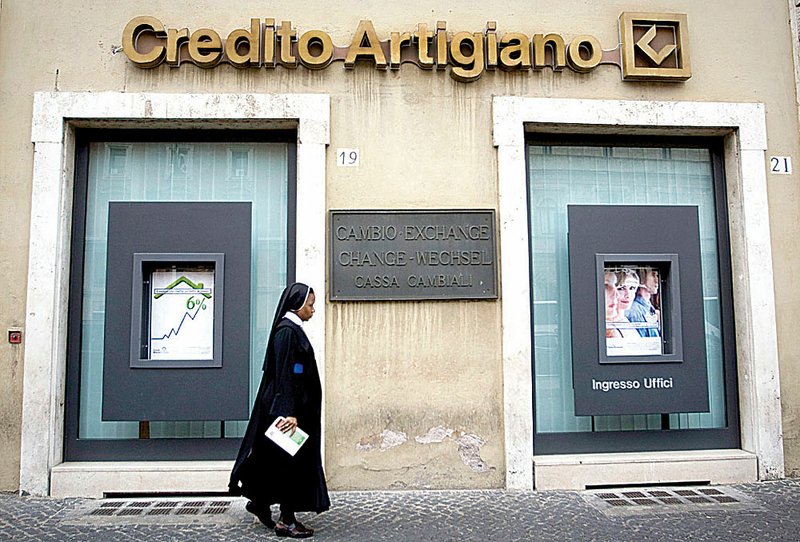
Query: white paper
point(289, 443)
point(182, 315)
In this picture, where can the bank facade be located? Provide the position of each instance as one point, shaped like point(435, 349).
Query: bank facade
point(472, 193)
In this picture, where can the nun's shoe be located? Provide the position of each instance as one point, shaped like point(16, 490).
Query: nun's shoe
point(264, 516)
point(293, 530)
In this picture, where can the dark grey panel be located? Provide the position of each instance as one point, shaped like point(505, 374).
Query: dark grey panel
point(411, 255)
point(182, 393)
point(676, 381)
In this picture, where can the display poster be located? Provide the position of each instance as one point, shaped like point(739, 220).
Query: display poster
point(182, 313)
point(633, 323)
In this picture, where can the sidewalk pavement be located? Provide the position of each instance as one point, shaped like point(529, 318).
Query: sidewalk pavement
point(766, 511)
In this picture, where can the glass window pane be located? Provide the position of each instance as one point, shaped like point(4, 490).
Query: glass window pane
point(217, 171)
point(563, 175)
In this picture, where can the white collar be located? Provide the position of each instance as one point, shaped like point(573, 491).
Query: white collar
point(294, 318)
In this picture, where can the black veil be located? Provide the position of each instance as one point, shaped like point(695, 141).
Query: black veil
point(293, 298)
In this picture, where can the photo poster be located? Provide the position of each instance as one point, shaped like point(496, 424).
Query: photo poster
point(182, 313)
point(632, 311)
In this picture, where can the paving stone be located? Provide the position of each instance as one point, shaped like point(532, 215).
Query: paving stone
point(389, 516)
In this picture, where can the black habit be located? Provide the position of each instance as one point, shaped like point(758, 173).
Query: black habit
point(290, 386)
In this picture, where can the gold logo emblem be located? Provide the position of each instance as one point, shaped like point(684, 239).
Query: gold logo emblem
point(654, 47)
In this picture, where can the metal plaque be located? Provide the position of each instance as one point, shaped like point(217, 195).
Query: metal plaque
point(412, 255)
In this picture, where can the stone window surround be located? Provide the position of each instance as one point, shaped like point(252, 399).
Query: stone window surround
point(743, 128)
point(55, 117)
point(56, 114)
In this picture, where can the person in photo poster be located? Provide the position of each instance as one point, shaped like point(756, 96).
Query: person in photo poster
point(290, 387)
point(612, 306)
point(627, 281)
point(642, 308)
point(627, 284)
point(622, 336)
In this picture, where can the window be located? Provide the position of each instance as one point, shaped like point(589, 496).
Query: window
point(169, 166)
point(583, 170)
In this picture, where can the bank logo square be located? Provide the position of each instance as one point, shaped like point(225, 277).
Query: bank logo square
point(655, 47)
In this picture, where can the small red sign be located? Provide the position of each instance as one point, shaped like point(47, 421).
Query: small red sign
point(14, 337)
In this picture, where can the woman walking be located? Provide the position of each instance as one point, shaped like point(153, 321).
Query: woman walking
point(290, 387)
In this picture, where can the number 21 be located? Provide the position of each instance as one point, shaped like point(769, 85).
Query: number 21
point(780, 164)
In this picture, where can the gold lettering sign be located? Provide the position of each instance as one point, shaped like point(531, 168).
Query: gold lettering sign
point(653, 47)
point(137, 28)
point(365, 45)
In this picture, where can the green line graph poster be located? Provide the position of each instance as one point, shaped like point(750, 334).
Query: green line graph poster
point(182, 314)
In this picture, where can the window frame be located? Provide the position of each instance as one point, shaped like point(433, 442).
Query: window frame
point(191, 449)
point(727, 437)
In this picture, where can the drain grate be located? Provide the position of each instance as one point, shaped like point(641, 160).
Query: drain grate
point(710, 491)
point(190, 510)
point(130, 512)
point(634, 494)
point(665, 500)
point(159, 512)
point(103, 512)
point(659, 493)
point(607, 495)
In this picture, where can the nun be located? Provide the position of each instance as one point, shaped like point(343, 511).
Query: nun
point(290, 387)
